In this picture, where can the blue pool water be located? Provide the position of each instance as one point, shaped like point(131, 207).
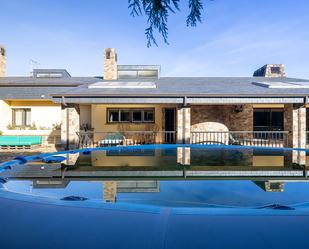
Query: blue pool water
point(156, 197)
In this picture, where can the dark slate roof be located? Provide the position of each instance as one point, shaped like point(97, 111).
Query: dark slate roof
point(34, 88)
point(31, 81)
point(196, 86)
point(39, 88)
point(9, 93)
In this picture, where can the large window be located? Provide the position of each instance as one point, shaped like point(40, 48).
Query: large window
point(268, 119)
point(21, 117)
point(130, 115)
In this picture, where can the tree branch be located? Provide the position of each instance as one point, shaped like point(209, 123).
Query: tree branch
point(158, 11)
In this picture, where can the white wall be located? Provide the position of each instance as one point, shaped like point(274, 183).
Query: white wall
point(43, 114)
point(5, 115)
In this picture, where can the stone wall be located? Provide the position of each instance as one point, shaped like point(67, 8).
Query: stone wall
point(295, 124)
point(236, 118)
point(70, 124)
point(110, 64)
point(183, 125)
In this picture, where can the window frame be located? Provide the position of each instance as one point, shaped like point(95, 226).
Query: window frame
point(124, 110)
point(130, 110)
point(136, 121)
point(270, 124)
point(24, 117)
point(143, 115)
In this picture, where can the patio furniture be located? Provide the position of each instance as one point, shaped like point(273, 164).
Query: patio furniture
point(112, 140)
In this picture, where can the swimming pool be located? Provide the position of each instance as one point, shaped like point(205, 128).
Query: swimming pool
point(157, 196)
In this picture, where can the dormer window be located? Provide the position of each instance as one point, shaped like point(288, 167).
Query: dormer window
point(50, 73)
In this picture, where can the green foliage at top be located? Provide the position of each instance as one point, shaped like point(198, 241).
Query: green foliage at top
point(157, 13)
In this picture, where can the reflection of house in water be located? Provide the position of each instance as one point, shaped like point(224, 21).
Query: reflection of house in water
point(50, 183)
point(129, 158)
point(184, 155)
point(270, 186)
point(112, 188)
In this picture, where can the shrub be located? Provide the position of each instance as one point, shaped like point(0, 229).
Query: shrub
point(33, 126)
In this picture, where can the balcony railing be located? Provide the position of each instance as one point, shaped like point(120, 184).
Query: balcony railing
point(246, 138)
point(94, 139)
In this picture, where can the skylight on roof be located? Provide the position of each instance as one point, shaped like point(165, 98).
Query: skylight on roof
point(283, 85)
point(123, 84)
point(49, 75)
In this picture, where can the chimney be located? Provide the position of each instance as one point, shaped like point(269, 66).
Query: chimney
point(2, 61)
point(110, 64)
point(270, 70)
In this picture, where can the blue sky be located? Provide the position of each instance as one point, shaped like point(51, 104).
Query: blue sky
point(235, 38)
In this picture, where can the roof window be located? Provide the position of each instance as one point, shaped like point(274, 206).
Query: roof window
point(123, 85)
point(50, 73)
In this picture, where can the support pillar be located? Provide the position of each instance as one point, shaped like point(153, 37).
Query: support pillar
point(183, 125)
point(70, 125)
point(184, 155)
point(110, 191)
point(295, 124)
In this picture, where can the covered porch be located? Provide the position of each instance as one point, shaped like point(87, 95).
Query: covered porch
point(252, 124)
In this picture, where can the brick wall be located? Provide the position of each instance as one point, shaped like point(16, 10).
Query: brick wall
point(235, 118)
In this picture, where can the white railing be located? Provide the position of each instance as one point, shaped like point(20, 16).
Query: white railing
point(246, 138)
point(94, 139)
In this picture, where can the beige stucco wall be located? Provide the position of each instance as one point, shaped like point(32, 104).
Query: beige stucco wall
point(99, 159)
point(268, 106)
point(100, 124)
point(271, 161)
point(85, 115)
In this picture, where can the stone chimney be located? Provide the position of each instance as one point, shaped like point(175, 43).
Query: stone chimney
point(110, 64)
point(270, 70)
point(2, 61)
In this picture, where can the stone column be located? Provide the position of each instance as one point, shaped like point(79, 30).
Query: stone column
point(2, 61)
point(295, 124)
point(183, 125)
point(110, 191)
point(110, 64)
point(184, 155)
point(71, 159)
point(70, 125)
